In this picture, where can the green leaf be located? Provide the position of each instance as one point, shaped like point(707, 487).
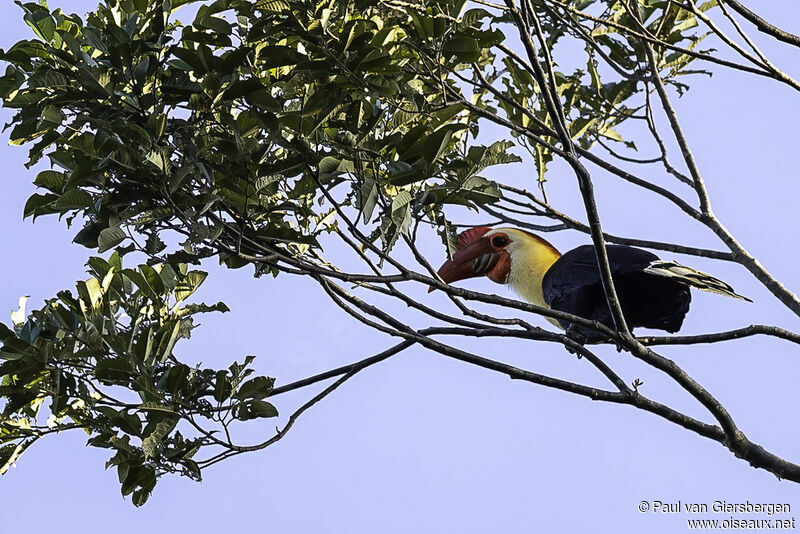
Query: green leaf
point(52, 180)
point(191, 58)
point(436, 144)
point(401, 212)
point(543, 157)
point(114, 370)
point(368, 198)
point(156, 436)
point(222, 386)
point(216, 24)
point(262, 99)
point(110, 238)
point(592, 68)
point(278, 56)
point(176, 378)
point(481, 190)
point(193, 281)
point(256, 388)
point(154, 406)
point(95, 292)
point(73, 199)
point(38, 204)
point(141, 282)
point(401, 173)
point(330, 166)
point(170, 333)
point(254, 408)
point(463, 49)
point(129, 423)
point(273, 6)
point(153, 279)
point(42, 23)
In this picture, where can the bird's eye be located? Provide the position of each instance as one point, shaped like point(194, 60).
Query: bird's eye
point(499, 241)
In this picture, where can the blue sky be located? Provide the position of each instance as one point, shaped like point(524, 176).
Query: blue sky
point(426, 444)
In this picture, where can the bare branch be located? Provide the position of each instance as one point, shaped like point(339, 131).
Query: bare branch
point(739, 333)
point(763, 25)
point(569, 222)
point(239, 449)
point(345, 369)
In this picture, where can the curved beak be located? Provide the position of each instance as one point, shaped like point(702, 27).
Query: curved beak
point(476, 259)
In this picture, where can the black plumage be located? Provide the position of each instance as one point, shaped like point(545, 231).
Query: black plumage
point(573, 284)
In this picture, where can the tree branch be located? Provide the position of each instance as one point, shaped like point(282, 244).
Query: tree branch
point(586, 187)
point(739, 333)
point(762, 25)
point(350, 368)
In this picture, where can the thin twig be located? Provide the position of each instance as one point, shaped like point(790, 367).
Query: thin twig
point(762, 25)
point(739, 333)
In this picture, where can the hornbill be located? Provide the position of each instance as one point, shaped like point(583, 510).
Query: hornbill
point(653, 293)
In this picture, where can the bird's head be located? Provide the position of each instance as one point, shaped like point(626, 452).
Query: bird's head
point(504, 255)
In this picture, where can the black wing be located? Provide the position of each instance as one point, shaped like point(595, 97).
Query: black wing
point(578, 268)
point(573, 285)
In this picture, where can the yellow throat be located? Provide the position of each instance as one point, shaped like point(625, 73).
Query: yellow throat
point(531, 257)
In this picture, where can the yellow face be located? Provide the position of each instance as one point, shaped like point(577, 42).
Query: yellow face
point(530, 257)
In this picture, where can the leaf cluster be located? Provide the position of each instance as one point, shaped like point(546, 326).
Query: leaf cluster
point(103, 359)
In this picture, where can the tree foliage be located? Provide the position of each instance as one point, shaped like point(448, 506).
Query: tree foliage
point(262, 128)
point(103, 361)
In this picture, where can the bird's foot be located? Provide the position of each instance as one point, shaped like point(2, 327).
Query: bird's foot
point(574, 333)
point(619, 346)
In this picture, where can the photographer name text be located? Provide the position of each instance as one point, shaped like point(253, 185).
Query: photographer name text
point(716, 507)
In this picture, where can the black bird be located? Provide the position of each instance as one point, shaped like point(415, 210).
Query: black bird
point(653, 293)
